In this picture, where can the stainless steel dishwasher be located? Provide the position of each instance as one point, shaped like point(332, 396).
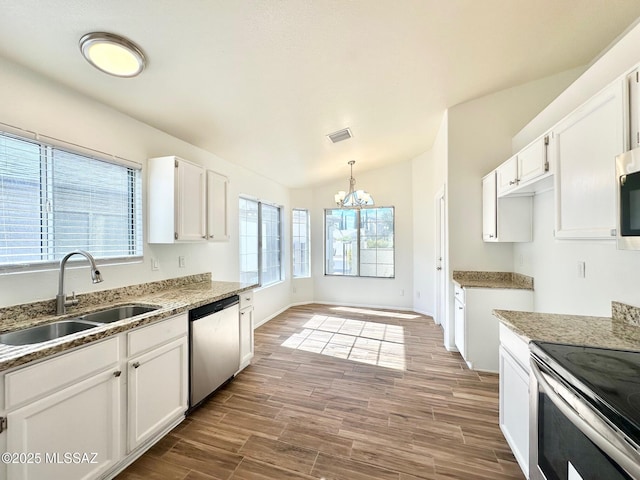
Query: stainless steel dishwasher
point(214, 347)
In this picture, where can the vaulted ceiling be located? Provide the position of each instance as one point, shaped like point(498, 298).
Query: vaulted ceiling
point(261, 82)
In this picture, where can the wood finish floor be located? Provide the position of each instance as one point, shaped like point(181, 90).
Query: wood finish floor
point(342, 394)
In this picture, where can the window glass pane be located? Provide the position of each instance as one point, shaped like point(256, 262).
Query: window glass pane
point(300, 243)
point(271, 251)
point(20, 202)
point(341, 242)
point(376, 242)
point(53, 201)
point(248, 237)
point(360, 242)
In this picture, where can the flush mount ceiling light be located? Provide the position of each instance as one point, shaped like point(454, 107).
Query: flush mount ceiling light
point(354, 198)
point(112, 54)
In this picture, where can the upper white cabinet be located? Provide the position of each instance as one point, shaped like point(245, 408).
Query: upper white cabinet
point(526, 167)
point(177, 200)
point(533, 160)
point(633, 84)
point(584, 147)
point(504, 219)
point(507, 176)
point(217, 197)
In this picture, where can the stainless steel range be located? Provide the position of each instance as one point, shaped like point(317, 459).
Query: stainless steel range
point(585, 418)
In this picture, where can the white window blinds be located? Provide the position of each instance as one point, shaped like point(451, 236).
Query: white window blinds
point(53, 201)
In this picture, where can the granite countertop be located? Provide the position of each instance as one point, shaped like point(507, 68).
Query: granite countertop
point(509, 280)
point(620, 331)
point(171, 296)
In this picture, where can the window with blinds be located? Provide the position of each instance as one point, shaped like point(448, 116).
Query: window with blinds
point(53, 201)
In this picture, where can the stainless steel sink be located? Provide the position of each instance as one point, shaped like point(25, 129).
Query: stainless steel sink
point(116, 313)
point(50, 331)
point(43, 333)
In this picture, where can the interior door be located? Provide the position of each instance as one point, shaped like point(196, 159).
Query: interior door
point(440, 259)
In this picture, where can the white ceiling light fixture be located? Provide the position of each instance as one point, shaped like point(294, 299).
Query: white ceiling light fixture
point(354, 198)
point(113, 54)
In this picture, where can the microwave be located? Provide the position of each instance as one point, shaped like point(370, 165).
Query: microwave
point(628, 199)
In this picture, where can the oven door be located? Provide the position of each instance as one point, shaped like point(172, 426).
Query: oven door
point(569, 440)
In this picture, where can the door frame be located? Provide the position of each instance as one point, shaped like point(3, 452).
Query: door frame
point(441, 256)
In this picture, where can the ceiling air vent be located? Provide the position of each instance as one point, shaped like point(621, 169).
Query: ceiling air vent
point(340, 135)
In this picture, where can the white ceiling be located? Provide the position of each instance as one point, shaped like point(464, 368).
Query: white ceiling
point(260, 82)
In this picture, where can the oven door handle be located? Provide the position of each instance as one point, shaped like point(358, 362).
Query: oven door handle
point(589, 423)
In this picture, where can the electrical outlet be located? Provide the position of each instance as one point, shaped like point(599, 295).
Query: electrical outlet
point(417, 293)
point(155, 264)
point(402, 292)
point(294, 289)
point(181, 261)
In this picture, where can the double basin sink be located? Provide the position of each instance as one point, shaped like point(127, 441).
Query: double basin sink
point(61, 328)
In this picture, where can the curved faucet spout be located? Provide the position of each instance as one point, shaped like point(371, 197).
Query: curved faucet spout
point(61, 298)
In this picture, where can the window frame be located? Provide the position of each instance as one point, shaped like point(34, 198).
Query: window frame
point(49, 148)
point(280, 209)
point(358, 239)
point(308, 238)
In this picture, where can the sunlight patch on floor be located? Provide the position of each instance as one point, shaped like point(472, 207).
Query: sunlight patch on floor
point(377, 313)
point(357, 340)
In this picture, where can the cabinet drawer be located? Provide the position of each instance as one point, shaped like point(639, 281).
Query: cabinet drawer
point(246, 299)
point(43, 378)
point(151, 336)
point(458, 292)
point(515, 345)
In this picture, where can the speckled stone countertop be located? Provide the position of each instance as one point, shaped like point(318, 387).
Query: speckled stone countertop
point(618, 331)
point(171, 296)
point(493, 280)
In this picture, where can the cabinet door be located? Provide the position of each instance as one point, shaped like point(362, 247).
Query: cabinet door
point(460, 334)
point(489, 208)
point(190, 199)
point(246, 336)
point(514, 407)
point(634, 109)
point(585, 145)
point(217, 224)
point(157, 390)
point(76, 431)
point(507, 176)
point(532, 160)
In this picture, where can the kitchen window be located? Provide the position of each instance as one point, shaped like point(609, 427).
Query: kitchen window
point(300, 247)
point(360, 242)
point(53, 201)
point(260, 242)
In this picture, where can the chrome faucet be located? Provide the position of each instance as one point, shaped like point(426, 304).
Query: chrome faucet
point(61, 299)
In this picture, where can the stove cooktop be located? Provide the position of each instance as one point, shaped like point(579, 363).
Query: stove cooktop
point(609, 379)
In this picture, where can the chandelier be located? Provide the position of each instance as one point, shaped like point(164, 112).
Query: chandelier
point(352, 198)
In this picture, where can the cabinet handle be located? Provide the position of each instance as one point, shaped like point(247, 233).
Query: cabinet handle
point(438, 268)
point(135, 364)
point(117, 373)
point(204, 236)
point(460, 308)
point(242, 313)
point(513, 182)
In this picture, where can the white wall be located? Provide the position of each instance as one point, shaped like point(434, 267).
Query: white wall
point(389, 186)
point(610, 274)
point(423, 191)
point(31, 102)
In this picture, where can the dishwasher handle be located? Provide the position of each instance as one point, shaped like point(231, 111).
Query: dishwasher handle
point(211, 308)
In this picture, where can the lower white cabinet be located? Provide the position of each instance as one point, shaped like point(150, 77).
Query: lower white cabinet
point(246, 329)
point(73, 433)
point(85, 414)
point(514, 395)
point(476, 329)
point(157, 386)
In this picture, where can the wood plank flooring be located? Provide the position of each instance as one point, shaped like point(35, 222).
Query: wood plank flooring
point(337, 393)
